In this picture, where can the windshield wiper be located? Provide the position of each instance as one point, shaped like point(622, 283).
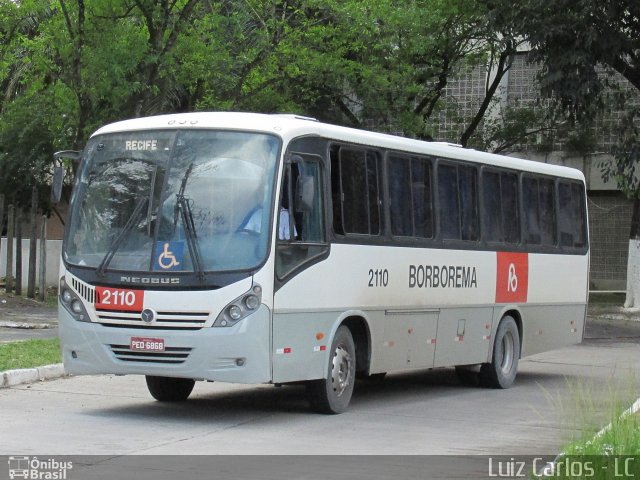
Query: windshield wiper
point(133, 220)
point(184, 208)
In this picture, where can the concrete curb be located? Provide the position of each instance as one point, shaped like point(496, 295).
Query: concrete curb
point(11, 378)
point(633, 409)
point(617, 316)
point(549, 469)
point(27, 325)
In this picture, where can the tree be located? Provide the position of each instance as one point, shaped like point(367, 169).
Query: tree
point(580, 45)
point(386, 64)
point(69, 66)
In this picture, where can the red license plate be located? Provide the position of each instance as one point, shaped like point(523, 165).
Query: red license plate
point(144, 344)
point(119, 299)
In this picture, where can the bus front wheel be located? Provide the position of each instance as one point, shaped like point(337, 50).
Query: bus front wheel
point(502, 370)
point(168, 389)
point(333, 393)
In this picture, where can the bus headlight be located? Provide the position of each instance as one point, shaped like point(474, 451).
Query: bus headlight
point(251, 302)
point(235, 312)
point(66, 296)
point(72, 303)
point(240, 308)
point(76, 307)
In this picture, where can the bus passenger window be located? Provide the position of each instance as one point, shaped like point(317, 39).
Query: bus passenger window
point(399, 175)
point(467, 181)
point(571, 215)
point(458, 195)
point(449, 202)
point(410, 197)
point(355, 182)
point(492, 209)
point(510, 212)
point(501, 221)
point(538, 202)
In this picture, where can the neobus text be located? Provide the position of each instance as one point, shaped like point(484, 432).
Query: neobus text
point(151, 280)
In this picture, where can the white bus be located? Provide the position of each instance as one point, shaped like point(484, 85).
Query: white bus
point(255, 248)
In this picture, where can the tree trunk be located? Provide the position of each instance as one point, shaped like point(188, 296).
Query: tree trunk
point(31, 280)
point(633, 263)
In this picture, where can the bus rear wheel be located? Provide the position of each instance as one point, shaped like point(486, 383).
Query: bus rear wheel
point(168, 389)
point(333, 393)
point(502, 370)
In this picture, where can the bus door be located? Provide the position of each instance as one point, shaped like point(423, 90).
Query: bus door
point(301, 243)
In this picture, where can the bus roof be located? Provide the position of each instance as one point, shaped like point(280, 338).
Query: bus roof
point(291, 126)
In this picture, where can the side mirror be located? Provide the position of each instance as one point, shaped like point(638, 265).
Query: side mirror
point(305, 194)
point(58, 172)
point(56, 185)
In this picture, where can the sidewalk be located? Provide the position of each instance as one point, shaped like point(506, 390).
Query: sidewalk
point(24, 318)
point(609, 320)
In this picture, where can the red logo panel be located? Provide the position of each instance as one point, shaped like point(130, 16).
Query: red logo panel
point(512, 279)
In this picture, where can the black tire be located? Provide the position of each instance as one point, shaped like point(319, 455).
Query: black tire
point(502, 370)
point(467, 377)
point(333, 393)
point(168, 389)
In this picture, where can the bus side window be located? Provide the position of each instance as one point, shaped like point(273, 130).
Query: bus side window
point(410, 197)
point(538, 202)
point(300, 220)
point(501, 221)
point(458, 196)
point(468, 184)
point(449, 202)
point(356, 192)
point(510, 212)
point(571, 216)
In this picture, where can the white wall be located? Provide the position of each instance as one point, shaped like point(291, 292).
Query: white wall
point(54, 248)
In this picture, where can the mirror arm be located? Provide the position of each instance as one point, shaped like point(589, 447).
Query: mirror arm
point(58, 172)
point(72, 154)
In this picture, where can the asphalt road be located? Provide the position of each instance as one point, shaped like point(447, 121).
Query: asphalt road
point(419, 413)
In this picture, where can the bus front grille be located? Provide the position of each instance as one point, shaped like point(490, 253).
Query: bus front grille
point(85, 290)
point(163, 321)
point(172, 355)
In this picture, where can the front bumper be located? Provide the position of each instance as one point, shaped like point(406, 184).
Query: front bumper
point(238, 354)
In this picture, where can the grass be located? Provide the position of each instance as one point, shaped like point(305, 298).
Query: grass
point(29, 353)
point(601, 405)
point(622, 438)
point(595, 452)
point(611, 455)
point(51, 300)
point(616, 299)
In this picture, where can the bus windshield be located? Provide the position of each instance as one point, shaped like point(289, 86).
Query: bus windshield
point(180, 201)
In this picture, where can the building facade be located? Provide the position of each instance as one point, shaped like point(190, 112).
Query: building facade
point(609, 210)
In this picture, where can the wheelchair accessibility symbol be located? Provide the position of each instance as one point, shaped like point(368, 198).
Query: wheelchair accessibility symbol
point(169, 256)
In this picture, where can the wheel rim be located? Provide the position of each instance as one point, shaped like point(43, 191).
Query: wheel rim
point(341, 370)
point(508, 352)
